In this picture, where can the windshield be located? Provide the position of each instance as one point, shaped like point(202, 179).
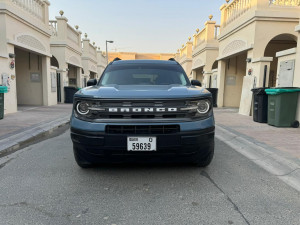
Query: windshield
point(144, 74)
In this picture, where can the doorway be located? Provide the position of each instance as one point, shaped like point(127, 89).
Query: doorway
point(29, 81)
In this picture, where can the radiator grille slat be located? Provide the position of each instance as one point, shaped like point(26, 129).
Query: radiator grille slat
point(151, 129)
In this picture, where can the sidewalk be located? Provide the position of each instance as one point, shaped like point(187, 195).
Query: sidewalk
point(30, 122)
point(286, 140)
point(275, 149)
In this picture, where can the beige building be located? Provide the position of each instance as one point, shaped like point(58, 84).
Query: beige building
point(205, 53)
point(252, 32)
point(136, 56)
point(254, 36)
point(66, 50)
point(89, 60)
point(184, 57)
point(25, 54)
point(38, 57)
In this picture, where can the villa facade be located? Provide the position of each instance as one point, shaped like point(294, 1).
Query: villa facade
point(255, 45)
point(38, 57)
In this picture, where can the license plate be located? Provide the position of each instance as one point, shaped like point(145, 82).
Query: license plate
point(143, 144)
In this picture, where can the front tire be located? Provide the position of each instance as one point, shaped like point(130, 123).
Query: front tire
point(203, 159)
point(80, 160)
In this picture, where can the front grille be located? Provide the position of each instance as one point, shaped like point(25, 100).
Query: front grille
point(105, 105)
point(139, 129)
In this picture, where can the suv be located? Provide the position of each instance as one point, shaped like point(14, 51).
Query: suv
point(143, 111)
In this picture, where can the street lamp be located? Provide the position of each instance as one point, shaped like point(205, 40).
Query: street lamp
point(107, 51)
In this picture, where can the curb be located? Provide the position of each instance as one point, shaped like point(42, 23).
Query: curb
point(19, 140)
point(286, 170)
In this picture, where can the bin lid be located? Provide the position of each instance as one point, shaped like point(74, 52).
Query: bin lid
point(277, 91)
point(259, 91)
point(3, 89)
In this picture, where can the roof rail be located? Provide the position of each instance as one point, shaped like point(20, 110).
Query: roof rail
point(116, 59)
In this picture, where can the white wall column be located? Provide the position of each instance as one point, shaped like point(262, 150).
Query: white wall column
point(46, 79)
point(206, 78)
point(49, 96)
point(10, 98)
point(79, 77)
point(221, 82)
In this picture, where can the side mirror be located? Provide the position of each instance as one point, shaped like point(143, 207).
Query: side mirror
point(196, 83)
point(92, 82)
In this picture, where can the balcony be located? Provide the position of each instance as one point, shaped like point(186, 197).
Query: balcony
point(63, 33)
point(206, 37)
point(34, 12)
point(239, 12)
point(36, 8)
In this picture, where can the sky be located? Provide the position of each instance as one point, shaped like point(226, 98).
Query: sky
point(144, 26)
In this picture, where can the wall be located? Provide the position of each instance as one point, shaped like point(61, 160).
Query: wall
point(187, 66)
point(28, 91)
point(285, 56)
point(199, 74)
point(20, 28)
point(10, 98)
point(236, 68)
point(147, 56)
point(52, 94)
point(135, 55)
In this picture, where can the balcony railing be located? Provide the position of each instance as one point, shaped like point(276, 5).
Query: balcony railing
point(53, 27)
point(183, 51)
point(92, 50)
point(34, 7)
point(203, 36)
point(235, 9)
point(239, 7)
point(200, 37)
point(72, 34)
point(285, 2)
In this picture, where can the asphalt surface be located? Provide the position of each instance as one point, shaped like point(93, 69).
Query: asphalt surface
point(42, 184)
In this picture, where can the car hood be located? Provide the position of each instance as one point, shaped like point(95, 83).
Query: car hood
point(142, 92)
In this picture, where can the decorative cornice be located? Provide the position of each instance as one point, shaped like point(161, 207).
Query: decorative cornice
point(235, 52)
point(89, 59)
point(207, 47)
point(53, 45)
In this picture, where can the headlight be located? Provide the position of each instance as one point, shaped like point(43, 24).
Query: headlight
point(203, 106)
point(82, 108)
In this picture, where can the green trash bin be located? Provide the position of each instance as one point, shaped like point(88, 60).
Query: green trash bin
point(282, 106)
point(3, 89)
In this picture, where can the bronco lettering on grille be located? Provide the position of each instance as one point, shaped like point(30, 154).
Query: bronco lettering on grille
point(141, 110)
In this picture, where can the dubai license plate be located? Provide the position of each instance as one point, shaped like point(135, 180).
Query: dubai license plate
point(142, 144)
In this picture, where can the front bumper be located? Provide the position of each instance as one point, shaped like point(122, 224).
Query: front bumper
point(92, 143)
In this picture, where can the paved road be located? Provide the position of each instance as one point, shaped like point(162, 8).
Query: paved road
point(42, 184)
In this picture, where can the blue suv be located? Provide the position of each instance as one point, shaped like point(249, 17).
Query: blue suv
point(143, 111)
